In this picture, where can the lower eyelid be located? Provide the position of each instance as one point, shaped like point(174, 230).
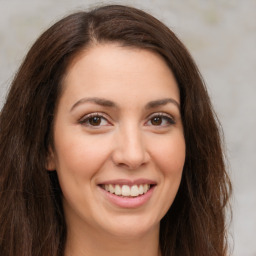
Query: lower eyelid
point(168, 117)
point(171, 119)
point(85, 118)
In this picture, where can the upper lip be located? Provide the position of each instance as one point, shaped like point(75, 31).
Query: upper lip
point(128, 182)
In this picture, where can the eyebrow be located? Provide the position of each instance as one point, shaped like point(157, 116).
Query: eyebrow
point(95, 100)
point(107, 103)
point(161, 102)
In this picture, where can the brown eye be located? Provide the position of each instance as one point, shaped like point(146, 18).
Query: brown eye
point(95, 120)
point(161, 120)
point(157, 120)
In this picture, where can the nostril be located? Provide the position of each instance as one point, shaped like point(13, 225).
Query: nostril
point(131, 166)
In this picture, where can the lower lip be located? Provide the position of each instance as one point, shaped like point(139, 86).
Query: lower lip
point(128, 202)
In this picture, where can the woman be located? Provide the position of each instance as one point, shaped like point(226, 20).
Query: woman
point(109, 144)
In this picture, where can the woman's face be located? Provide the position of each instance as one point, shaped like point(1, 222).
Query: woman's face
point(119, 147)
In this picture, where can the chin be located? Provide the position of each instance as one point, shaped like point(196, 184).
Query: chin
point(130, 227)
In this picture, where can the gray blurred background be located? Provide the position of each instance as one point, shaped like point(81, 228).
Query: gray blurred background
point(221, 36)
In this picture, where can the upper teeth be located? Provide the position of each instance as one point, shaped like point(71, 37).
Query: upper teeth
point(125, 190)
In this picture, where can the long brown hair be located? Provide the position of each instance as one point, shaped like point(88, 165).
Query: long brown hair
point(31, 214)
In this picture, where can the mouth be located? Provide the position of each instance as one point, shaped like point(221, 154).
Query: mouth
point(128, 194)
point(125, 190)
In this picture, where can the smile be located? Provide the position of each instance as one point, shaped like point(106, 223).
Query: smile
point(127, 193)
point(126, 190)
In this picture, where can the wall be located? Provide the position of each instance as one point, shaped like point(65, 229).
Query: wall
point(221, 36)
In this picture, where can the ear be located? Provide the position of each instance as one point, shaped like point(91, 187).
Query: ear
point(50, 161)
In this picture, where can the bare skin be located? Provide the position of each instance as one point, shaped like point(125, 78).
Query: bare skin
point(118, 126)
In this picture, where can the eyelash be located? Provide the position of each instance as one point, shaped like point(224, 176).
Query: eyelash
point(168, 118)
point(86, 119)
point(163, 116)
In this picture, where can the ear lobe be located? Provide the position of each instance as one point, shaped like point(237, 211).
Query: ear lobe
point(50, 161)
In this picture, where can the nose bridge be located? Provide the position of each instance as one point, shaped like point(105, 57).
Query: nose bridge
point(130, 149)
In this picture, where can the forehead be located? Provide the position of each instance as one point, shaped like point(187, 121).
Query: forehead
point(113, 70)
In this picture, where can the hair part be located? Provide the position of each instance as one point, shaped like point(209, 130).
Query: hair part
point(31, 215)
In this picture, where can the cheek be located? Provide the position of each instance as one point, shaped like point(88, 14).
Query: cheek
point(171, 157)
point(81, 155)
point(78, 160)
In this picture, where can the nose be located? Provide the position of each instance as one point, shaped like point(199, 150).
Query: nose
point(129, 149)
